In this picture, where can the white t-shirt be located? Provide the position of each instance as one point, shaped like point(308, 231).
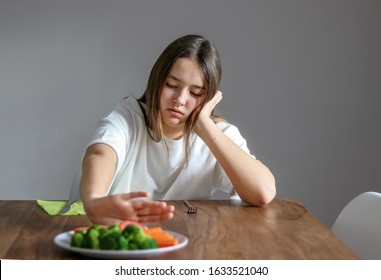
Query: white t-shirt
point(159, 167)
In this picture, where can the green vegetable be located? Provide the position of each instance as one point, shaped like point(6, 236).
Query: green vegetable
point(77, 239)
point(138, 239)
point(148, 243)
point(91, 237)
point(113, 238)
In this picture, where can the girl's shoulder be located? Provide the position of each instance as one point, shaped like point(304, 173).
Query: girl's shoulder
point(229, 129)
point(131, 106)
point(224, 125)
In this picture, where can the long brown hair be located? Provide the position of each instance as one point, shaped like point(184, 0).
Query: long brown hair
point(206, 55)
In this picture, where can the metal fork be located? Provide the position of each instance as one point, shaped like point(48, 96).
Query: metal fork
point(74, 194)
point(191, 209)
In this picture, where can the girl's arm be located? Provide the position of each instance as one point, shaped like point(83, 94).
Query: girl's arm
point(98, 169)
point(252, 180)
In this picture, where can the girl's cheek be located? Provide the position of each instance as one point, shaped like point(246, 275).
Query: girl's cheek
point(199, 102)
point(198, 107)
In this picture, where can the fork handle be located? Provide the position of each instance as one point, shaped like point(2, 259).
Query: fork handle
point(186, 202)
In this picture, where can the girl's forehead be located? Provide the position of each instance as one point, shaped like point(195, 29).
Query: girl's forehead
point(188, 71)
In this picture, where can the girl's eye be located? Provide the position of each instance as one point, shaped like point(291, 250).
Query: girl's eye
point(170, 86)
point(195, 94)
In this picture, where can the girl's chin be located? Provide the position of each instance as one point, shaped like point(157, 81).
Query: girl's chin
point(173, 127)
point(173, 123)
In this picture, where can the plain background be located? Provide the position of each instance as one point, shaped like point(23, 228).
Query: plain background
point(301, 79)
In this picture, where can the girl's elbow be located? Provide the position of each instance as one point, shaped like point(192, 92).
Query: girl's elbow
point(266, 189)
point(267, 196)
point(263, 196)
point(269, 192)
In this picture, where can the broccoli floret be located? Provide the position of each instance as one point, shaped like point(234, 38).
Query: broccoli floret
point(138, 239)
point(95, 226)
point(110, 229)
point(77, 239)
point(133, 246)
point(148, 243)
point(102, 231)
point(110, 241)
point(91, 237)
point(113, 239)
point(144, 243)
point(133, 233)
point(123, 243)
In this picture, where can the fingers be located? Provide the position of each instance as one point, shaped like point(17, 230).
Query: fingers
point(218, 95)
point(210, 106)
point(142, 203)
point(155, 218)
point(145, 208)
point(131, 195)
point(126, 207)
point(217, 98)
point(153, 211)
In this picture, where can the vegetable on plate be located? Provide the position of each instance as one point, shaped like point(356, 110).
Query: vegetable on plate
point(125, 236)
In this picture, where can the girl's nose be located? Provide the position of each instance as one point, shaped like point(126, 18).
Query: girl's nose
point(180, 98)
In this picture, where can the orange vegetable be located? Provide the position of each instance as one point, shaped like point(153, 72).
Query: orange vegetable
point(80, 229)
point(153, 230)
point(163, 239)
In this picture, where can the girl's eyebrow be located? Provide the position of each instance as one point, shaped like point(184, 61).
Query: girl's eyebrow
point(170, 76)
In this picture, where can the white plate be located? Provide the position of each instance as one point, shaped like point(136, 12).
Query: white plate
point(63, 240)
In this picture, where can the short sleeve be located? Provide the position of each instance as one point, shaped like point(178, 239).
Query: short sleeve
point(115, 130)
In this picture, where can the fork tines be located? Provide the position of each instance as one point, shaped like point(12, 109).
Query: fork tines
point(191, 209)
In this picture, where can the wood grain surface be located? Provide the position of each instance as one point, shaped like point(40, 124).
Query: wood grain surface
point(221, 229)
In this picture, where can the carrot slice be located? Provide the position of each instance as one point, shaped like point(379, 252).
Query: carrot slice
point(80, 229)
point(163, 239)
point(153, 230)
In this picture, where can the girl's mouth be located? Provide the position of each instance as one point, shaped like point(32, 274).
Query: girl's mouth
point(175, 112)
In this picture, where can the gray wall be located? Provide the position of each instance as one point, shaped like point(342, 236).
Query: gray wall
point(302, 80)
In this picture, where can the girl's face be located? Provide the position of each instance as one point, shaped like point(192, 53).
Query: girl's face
point(182, 92)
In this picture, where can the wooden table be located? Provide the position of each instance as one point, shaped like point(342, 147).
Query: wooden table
point(222, 229)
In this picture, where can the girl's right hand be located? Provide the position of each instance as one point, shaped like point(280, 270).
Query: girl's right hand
point(112, 209)
point(204, 116)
